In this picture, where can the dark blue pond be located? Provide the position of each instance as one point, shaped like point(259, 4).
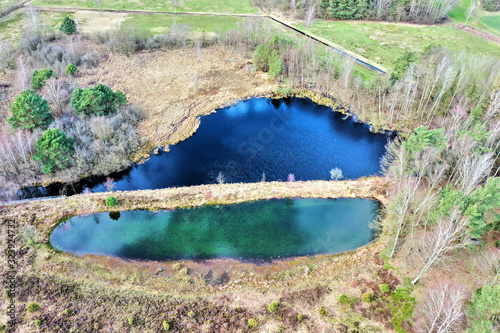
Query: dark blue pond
point(252, 230)
point(256, 137)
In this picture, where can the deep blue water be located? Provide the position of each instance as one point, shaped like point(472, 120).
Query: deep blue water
point(256, 137)
point(252, 230)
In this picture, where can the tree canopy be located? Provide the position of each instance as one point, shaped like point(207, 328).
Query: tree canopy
point(68, 26)
point(29, 111)
point(39, 77)
point(54, 150)
point(98, 100)
point(275, 64)
point(261, 57)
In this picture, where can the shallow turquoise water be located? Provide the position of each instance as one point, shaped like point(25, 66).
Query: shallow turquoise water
point(254, 230)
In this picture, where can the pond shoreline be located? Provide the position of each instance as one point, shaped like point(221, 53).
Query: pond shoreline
point(141, 157)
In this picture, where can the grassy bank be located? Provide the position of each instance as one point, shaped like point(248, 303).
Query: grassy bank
point(11, 26)
point(385, 42)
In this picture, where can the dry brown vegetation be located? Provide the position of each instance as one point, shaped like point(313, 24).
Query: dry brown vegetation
point(174, 88)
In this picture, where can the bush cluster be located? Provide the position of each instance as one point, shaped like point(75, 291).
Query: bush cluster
point(111, 201)
point(32, 307)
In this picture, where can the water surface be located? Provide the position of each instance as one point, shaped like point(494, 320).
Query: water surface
point(252, 140)
point(253, 230)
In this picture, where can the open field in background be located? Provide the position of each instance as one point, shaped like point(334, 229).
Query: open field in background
point(385, 42)
point(91, 21)
point(491, 23)
point(11, 26)
point(488, 21)
point(206, 6)
point(160, 23)
point(459, 13)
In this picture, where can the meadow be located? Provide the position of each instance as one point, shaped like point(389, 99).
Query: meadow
point(206, 6)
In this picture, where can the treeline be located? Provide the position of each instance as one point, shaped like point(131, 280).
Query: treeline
point(418, 11)
point(422, 88)
point(491, 5)
point(445, 201)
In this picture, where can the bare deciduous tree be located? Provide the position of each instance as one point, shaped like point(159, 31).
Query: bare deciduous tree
point(175, 4)
point(56, 91)
point(442, 309)
point(450, 234)
point(32, 17)
point(98, 3)
point(6, 55)
point(310, 14)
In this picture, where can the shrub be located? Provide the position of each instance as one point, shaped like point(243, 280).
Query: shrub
point(272, 307)
point(166, 325)
point(131, 320)
point(401, 305)
point(190, 313)
point(385, 288)
point(39, 77)
point(111, 201)
point(38, 322)
point(252, 323)
point(29, 111)
point(8, 293)
point(367, 297)
point(54, 150)
point(343, 299)
point(300, 317)
point(71, 70)
point(323, 311)
point(401, 64)
point(3, 328)
point(98, 100)
point(68, 26)
point(32, 307)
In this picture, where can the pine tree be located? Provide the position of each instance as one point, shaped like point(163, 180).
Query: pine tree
point(29, 111)
point(98, 100)
point(54, 150)
point(275, 64)
point(68, 26)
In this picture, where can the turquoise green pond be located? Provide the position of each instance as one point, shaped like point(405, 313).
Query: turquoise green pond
point(263, 229)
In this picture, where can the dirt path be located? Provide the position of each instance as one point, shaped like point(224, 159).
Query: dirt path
point(147, 12)
point(477, 32)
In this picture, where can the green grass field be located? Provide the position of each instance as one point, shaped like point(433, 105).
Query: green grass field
point(459, 13)
point(11, 26)
point(151, 24)
point(206, 6)
point(385, 42)
point(491, 23)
